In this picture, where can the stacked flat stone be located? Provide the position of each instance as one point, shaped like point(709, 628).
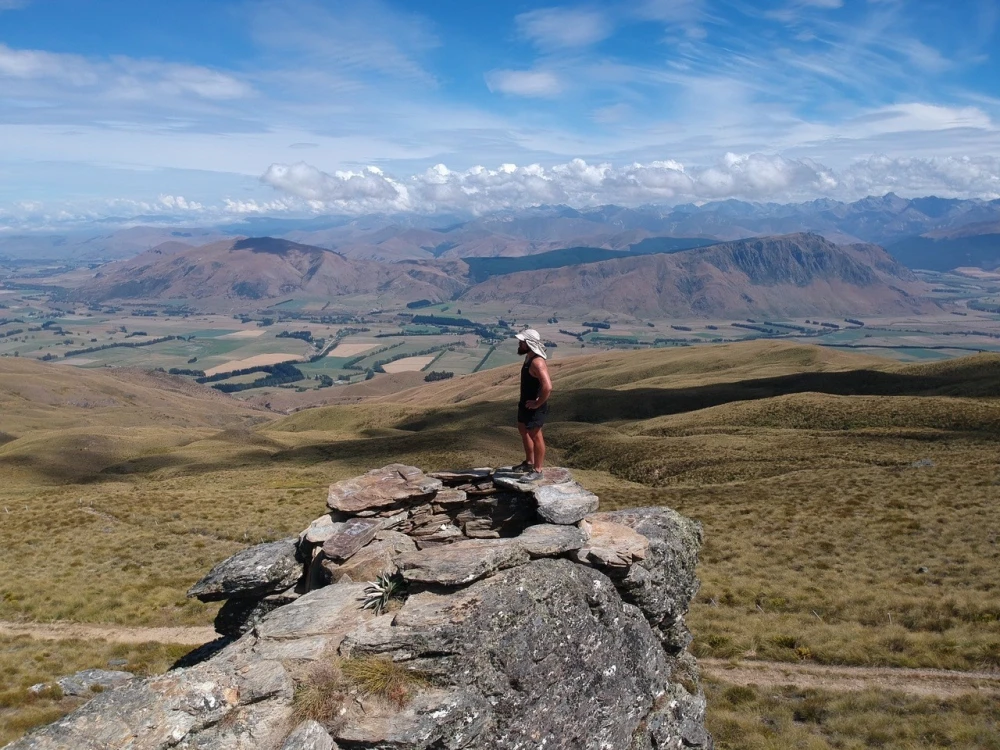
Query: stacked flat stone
point(443, 528)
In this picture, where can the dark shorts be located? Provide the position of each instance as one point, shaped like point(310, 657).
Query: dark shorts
point(533, 419)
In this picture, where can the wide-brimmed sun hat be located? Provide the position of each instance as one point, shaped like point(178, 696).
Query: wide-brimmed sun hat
point(533, 339)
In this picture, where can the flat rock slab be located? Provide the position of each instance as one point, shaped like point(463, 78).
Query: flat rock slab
point(212, 704)
point(381, 488)
point(462, 476)
point(450, 496)
point(321, 529)
point(326, 611)
point(551, 540)
point(375, 558)
point(91, 681)
point(612, 545)
point(515, 481)
point(438, 718)
point(462, 562)
point(351, 537)
point(255, 572)
point(309, 735)
point(565, 503)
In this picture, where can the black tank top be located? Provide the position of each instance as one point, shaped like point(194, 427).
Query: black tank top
point(530, 385)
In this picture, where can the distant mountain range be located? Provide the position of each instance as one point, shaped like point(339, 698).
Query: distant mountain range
point(973, 245)
point(795, 274)
point(903, 225)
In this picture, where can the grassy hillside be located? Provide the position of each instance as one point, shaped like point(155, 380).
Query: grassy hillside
point(849, 502)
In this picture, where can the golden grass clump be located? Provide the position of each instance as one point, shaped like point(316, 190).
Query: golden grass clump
point(325, 690)
point(321, 694)
point(384, 678)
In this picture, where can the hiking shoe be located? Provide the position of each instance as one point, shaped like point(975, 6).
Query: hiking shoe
point(532, 476)
point(522, 468)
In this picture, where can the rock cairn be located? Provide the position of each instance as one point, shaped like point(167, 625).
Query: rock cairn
point(536, 621)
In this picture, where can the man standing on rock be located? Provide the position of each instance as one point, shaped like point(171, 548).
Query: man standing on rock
point(533, 403)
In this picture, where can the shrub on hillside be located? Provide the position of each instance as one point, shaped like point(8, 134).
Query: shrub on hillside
point(435, 375)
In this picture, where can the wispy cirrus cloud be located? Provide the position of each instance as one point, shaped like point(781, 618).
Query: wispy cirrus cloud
point(530, 83)
point(352, 37)
point(561, 28)
point(118, 77)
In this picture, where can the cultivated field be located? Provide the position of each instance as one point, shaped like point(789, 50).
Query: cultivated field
point(255, 361)
point(408, 364)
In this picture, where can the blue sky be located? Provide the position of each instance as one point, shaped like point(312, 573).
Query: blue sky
point(201, 111)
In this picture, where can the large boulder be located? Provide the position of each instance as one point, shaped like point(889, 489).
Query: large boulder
point(253, 573)
point(545, 654)
point(560, 659)
point(663, 583)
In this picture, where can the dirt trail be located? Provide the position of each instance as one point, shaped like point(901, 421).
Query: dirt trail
point(928, 683)
point(61, 631)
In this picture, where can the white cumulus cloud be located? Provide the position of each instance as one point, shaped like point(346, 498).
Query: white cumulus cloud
point(756, 177)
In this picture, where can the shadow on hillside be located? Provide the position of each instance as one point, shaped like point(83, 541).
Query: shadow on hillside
point(597, 405)
point(484, 431)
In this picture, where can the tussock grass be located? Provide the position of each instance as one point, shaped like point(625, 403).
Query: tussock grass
point(383, 678)
point(764, 718)
point(321, 694)
point(325, 690)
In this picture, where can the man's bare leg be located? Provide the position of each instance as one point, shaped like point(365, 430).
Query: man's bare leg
point(529, 443)
point(538, 440)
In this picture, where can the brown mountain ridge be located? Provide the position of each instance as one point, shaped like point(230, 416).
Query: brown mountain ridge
point(259, 268)
point(787, 275)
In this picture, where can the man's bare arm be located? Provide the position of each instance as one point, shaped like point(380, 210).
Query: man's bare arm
point(539, 369)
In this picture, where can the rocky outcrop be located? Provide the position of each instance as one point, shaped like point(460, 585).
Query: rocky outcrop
point(506, 614)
